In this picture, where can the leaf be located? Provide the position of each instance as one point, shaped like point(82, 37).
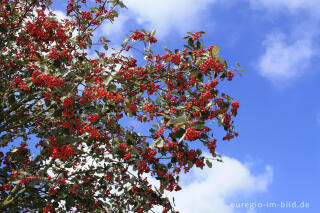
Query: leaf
point(126, 41)
point(153, 32)
point(234, 113)
point(144, 31)
point(159, 142)
point(11, 99)
point(16, 181)
point(115, 13)
point(15, 149)
point(226, 97)
point(209, 163)
point(180, 121)
point(199, 125)
point(198, 45)
point(122, 5)
point(199, 61)
point(107, 80)
point(69, 202)
point(158, 101)
point(215, 50)
point(220, 119)
point(166, 49)
point(3, 29)
point(94, 9)
point(179, 133)
point(190, 42)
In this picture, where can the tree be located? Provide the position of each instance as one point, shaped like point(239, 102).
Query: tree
point(67, 108)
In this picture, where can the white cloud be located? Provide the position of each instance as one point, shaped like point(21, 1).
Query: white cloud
point(60, 15)
point(209, 190)
point(115, 28)
point(168, 15)
point(293, 6)
point(212, 190)
point(288, 56)
point(283, 61)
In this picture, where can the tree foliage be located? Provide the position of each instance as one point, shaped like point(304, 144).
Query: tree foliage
point(69, 109)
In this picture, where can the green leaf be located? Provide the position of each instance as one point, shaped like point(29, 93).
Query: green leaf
point(199, 125)
point(198, 151)
point(15, 149)
point(115, 13)
point(144, 31)
point(166, 49)
point(15, 181)
point(199, 61)
point(226, 97)
point(3, 29)
point(190, 42)
point(198, 45)
point(126, 41)
point(180, 121)
point(179, 133)
point(158, 101)
point(220, 119)
point(159, 142)
point(107, 80)
point(69, 202)
point(215, 50)
point(153, 32)
point(94, 9)
point(11, 99)
point(122, 5)
point(209, 163)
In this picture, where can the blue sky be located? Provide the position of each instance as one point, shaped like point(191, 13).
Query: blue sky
point(275, 158)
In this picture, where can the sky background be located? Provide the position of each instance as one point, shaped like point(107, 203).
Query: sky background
point(276, 156)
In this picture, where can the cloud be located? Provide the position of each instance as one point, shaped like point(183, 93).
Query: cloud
point(60, 15)
point(208, 190)
point(287, 57)
point(292, 6)
point(212, 190)
point(115, 28)
point(167, 15)
point(283, 61)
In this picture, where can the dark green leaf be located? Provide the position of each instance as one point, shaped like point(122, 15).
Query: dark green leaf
point(180, 121)
point(179, 133)
point(69, 202)
point(209, 163)
point(199, 125)
point(190, 42)
point(226, 97)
